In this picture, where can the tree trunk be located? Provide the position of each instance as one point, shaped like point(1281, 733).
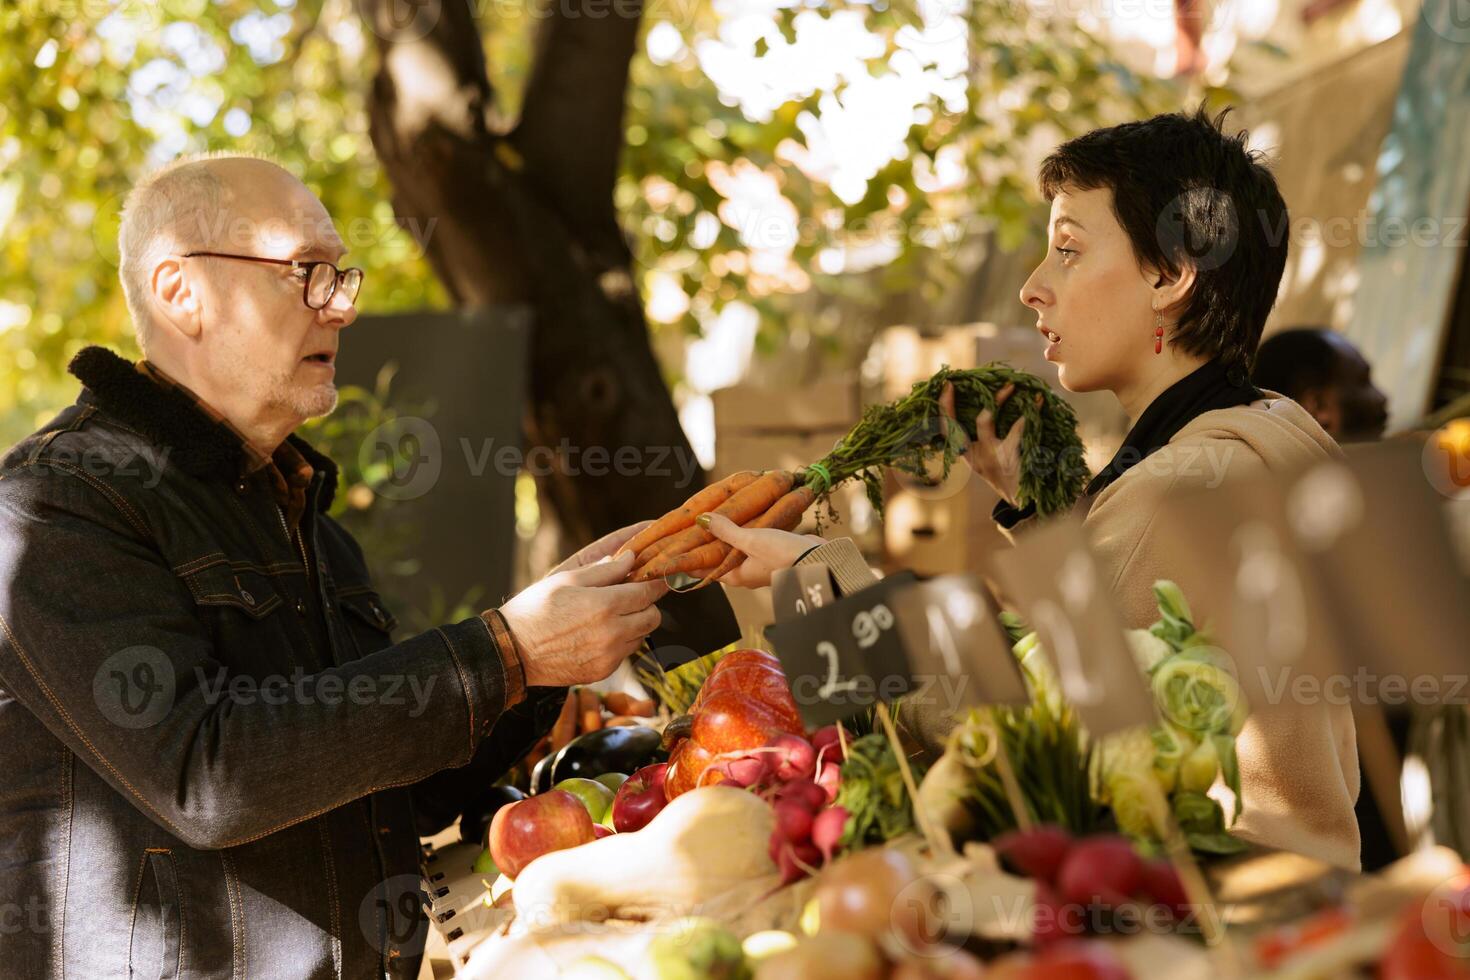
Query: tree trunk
point(525, 214)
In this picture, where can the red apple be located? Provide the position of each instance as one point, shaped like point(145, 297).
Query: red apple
point(537, 825)
point(640, 798)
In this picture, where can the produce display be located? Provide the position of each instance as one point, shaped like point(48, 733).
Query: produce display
point(725, 840)
point(1131, 781)
point(907, 435)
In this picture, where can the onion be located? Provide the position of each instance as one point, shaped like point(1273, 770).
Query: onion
point(861, 894)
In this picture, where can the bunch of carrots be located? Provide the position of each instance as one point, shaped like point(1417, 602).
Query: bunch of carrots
point(905, 435)
point(676, 543)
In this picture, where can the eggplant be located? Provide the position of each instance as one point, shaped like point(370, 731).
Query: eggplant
point(541, 774)
point(623, 748)
point(475, 820)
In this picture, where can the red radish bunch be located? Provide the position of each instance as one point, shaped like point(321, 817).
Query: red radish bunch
point(799, 777)
point(1076, 876)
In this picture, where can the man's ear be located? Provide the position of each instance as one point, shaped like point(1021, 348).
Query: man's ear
point(1171, 292)
point(178, 303)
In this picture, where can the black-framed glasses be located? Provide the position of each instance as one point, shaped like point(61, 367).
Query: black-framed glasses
point(322, 278)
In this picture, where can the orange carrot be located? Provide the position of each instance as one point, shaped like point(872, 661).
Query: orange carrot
point(681, 517)
point(753, 499)
point(784, 514)
point(617, 702)
point(589, 710)
point(705, 556)
point(565, 727)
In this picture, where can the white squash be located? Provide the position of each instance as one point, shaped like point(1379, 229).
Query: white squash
point(704, 844)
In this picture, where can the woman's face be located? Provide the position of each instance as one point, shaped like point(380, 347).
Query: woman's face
point(1092, 300)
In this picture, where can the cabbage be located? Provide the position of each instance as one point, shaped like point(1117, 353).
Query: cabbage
point(1198, 770)
point(1197, 691)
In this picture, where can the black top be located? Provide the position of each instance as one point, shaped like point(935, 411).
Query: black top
point(1206, 389)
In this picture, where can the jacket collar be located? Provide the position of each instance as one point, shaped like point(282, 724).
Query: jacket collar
point(197, 444)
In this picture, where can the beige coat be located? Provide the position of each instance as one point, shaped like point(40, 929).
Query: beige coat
point(1299, 763)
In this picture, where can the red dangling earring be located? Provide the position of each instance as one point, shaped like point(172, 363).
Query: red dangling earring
point(1159, 333)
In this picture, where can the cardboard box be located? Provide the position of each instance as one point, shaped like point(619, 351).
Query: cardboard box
point(827, 405)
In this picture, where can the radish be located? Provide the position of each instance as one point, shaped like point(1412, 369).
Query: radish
point(794, 757)
point(1035, 853)
point(830, 779)
point(827, 830)
point(1103, 870)
point(797, 861)
point(744, 771)
point(1052, 919)
point(793, 820)
point(805, 790)
point(1161, 883)
point(828, 744)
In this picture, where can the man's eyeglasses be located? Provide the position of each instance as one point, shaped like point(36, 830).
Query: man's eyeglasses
point(320, 284)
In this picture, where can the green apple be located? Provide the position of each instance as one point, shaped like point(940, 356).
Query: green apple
point(485, 864)
point(606, 820)
point(612, 780)
point(595, 796)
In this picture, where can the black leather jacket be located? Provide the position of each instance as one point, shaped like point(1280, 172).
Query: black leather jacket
point(212, 753)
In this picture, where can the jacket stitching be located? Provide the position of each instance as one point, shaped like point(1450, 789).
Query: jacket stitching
point(133, 923)
point(76, 730)
point(464, 680)
point(331, 867)
point(237, 916)
point(118, 500)
point(69, 802)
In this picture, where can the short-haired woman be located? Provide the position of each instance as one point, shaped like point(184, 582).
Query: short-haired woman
point(1167, 241)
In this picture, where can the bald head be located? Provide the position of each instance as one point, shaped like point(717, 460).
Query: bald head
point(200, 202)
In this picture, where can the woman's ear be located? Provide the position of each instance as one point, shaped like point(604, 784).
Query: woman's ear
point(1171, 293)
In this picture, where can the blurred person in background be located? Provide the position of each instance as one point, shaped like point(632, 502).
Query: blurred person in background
point(1324, 373)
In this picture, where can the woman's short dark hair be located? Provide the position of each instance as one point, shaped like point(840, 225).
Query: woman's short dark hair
point(1188, 194)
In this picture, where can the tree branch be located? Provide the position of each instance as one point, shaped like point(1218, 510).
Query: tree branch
point(571, 127)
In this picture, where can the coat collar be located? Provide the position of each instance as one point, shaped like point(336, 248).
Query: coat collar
point(197, 444)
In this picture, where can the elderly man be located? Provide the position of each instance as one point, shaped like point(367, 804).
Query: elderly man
point(213, 751)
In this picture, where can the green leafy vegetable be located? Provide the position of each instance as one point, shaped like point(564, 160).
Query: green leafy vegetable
point(874, 794)
point(907, 433)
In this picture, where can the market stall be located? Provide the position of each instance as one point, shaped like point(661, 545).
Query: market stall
point(964, 776)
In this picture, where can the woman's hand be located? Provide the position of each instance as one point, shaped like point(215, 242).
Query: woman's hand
point(998, 461)
point(766, 549)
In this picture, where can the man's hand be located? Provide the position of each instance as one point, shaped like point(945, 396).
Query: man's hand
point(578, 623)
point(766, 549)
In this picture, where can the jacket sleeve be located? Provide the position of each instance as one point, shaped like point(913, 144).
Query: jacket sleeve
point(845, 561)
point(102, 642)
point(442, 797)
